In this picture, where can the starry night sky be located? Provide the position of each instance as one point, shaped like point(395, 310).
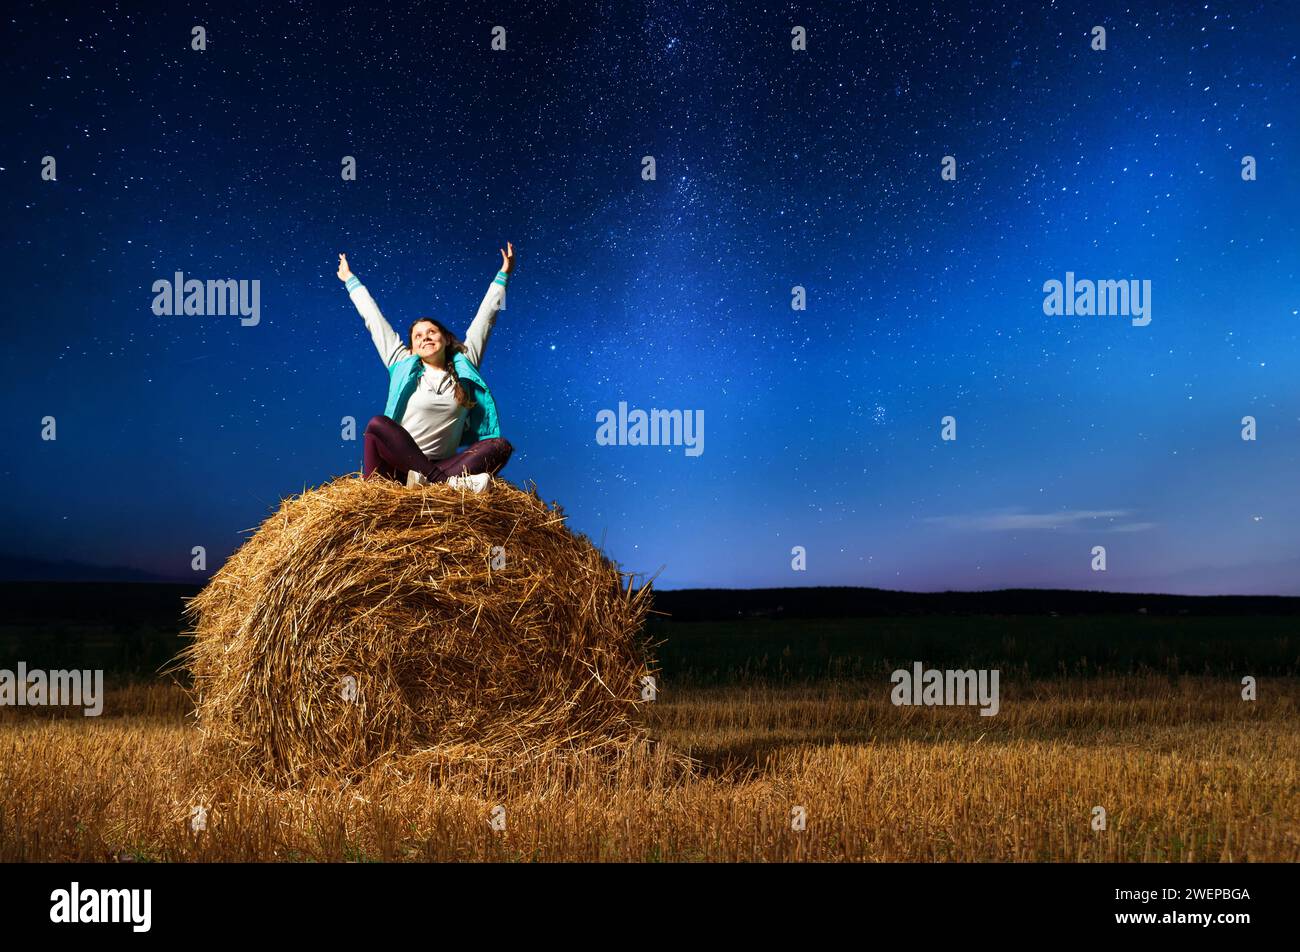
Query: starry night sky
point(775, 168)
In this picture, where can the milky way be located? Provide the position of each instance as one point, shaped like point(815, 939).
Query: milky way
point(775, 169)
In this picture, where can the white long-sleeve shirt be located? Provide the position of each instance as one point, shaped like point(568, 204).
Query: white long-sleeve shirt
point(432, 416)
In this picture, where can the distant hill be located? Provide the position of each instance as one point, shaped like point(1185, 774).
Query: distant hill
point(141, 601)
point(717, 604)
point(20, 569)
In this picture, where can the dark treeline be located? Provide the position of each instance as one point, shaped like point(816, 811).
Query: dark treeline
point(138, 602)
point(725, 634)
point(726, 604)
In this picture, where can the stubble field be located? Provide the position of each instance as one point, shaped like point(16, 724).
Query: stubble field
point(1183, 767)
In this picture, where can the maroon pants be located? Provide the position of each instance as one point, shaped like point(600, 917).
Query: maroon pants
point(389, 451)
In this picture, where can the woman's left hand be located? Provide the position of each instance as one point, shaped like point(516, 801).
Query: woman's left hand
point(508, 258)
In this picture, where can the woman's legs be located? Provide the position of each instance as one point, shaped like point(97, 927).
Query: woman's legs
point(485, 456)
point(389, 451)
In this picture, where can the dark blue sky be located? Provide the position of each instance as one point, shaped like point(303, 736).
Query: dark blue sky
point(774, 169)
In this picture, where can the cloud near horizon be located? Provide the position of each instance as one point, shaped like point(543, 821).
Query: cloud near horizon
point(1012, 520)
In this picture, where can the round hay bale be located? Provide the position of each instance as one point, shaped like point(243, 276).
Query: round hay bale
point(366, 623)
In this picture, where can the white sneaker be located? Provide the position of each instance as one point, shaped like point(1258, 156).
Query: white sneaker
point(416, 478)
point(476, 483)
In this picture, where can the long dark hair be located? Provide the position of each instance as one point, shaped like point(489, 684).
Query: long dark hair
point(454, 346)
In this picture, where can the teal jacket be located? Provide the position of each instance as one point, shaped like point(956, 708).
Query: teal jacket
point(481, 422)
point(405, 369)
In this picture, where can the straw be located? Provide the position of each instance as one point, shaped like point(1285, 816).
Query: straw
point(452, 661)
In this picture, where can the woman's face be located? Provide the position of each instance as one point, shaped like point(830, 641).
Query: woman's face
point(426, 340)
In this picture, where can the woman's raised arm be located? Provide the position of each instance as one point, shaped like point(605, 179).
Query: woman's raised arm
point(476, 337)
point(390, 346)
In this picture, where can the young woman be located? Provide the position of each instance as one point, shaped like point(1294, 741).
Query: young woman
point(437, 402)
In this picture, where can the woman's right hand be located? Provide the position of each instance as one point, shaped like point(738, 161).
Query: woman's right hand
point(344, 271)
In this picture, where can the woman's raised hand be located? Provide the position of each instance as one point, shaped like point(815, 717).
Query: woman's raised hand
point(508, 258)
point(344, 271)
